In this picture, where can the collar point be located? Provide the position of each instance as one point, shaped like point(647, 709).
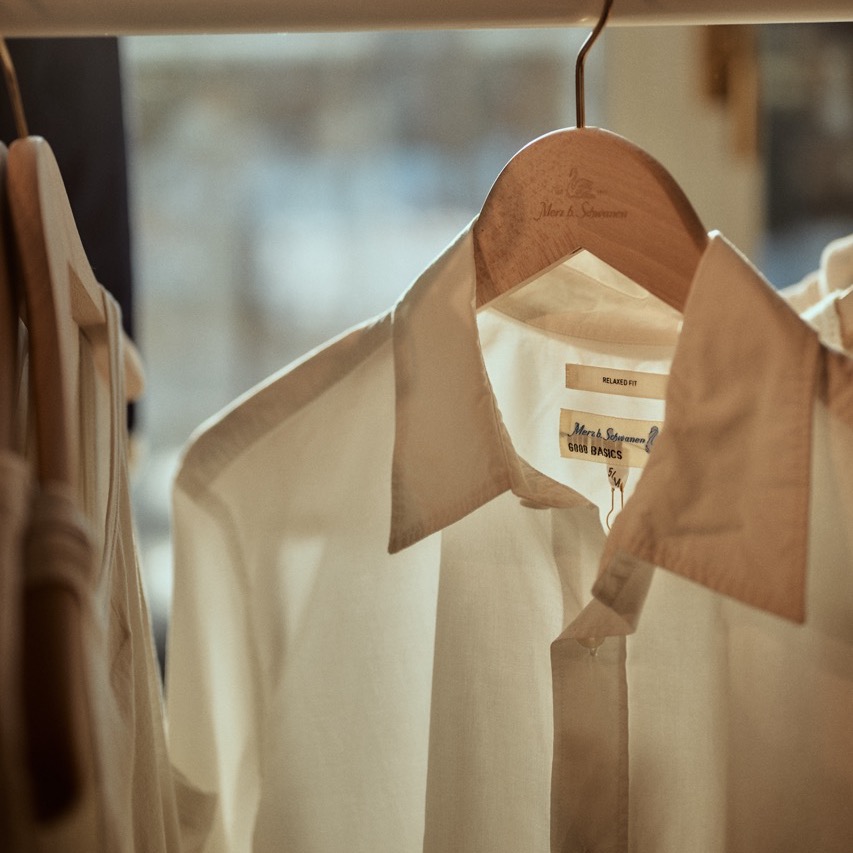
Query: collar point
point(399, 543)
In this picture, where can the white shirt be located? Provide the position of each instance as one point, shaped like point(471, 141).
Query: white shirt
point(15, 494)
point(81, 541)
point(383, 637)
point(824, 299)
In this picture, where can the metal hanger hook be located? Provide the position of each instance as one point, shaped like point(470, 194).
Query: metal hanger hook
point(580, 103)
point(13, 89)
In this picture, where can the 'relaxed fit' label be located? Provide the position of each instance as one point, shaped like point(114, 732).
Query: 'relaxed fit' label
point(626, 383)
point(624, 442)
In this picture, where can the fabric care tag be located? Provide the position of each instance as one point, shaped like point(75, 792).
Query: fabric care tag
point(626, 383)
point(618, 442)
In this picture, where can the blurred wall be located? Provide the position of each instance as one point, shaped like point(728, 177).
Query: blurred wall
point(656, 92)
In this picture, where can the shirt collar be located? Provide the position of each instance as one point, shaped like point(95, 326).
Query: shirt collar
point(836, 265)
point(724, 498)
point(452, 453)
point(832, 319)
point(448, 454)
point(834, 274)
point(832, 314)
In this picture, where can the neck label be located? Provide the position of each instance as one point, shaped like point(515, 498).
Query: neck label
point(618, 442)
point(626, 383)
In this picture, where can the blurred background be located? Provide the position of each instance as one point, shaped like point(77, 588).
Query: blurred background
point(283, 188)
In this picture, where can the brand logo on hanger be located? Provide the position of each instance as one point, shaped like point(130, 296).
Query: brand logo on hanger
point(581, 195)
point(576, 187)
point(576, 198)
point(584, 210)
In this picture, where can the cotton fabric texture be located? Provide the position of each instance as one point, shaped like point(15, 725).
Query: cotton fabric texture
point(824, 298)
point(401, 624)
point(82, 542)
point(15, 484)
point(135, 786)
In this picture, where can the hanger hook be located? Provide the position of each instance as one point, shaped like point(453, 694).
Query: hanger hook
point(13, 89)
point(580, 102)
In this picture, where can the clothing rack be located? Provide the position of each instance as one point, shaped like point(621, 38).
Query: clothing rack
point(120, 17)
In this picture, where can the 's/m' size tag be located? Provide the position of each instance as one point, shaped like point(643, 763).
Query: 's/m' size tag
point(606, 380)
point(624, 442)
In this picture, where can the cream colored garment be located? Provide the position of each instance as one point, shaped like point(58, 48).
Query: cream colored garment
point(828, 307)
point(384, 564)
point(85, 543)
point(834, 274)
point(14, 507)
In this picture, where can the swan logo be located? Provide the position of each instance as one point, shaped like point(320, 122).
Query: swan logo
point(653, 434)
point(575, 198)
point(576, 187)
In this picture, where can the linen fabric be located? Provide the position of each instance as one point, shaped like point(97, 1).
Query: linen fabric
point(15, 493)
point(827, 295)
point(81, 541)
point(834, 274)
point(132, 757)
point(383, 635)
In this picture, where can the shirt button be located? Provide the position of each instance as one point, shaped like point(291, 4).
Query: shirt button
point(590, 643)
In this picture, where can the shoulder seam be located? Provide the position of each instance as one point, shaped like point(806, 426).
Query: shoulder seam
point(222, 439)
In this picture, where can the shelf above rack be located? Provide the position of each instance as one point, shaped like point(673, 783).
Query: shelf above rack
point(138, 17)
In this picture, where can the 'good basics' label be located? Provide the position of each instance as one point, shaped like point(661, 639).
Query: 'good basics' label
point(623, 442)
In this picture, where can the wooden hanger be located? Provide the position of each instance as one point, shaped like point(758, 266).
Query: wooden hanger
point(587, 188)
point(8, 301)
point(86, 300)
point(61, 298)
point(8, 330)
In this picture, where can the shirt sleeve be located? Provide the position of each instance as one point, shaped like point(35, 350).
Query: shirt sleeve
point(211, 678)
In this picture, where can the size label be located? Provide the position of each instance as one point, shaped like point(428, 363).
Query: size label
point(618, 442)
point(626, 383)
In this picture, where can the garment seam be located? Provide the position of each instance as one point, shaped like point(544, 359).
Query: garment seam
point(220, 442)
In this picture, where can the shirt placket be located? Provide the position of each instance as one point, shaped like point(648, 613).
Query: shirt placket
point(589, 780)
point(589, 776)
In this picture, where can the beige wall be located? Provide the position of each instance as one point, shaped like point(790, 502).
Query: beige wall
point(653, 95)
